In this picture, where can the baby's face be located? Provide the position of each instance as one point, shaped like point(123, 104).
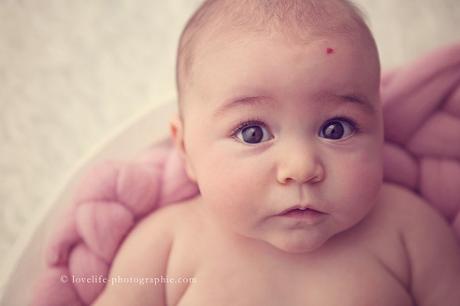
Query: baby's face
point(271, 125)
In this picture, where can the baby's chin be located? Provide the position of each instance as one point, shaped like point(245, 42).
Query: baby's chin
point(298, 242)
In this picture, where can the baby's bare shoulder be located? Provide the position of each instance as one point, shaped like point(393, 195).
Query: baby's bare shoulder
point(167, 218)
point(403, 207)
point(144, 254)
point(408, 212)
point(433, 250)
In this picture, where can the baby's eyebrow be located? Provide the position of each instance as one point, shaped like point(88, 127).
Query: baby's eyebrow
point(250, 101)
point(361, 101)
point(354, 99)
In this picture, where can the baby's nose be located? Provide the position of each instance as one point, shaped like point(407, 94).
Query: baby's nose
point(299, 163)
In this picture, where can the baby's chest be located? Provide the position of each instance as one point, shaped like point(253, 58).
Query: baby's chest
point(356, 282)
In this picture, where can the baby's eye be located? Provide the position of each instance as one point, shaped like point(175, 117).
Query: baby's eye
point(252, 133)
point(337, 128)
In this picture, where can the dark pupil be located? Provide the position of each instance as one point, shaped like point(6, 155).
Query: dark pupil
point(252, 134)
point(334, 130)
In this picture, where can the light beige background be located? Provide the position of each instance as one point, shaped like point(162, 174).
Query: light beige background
point(71, 71)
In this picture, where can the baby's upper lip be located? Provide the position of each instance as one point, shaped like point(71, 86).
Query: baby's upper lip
point(301, 207)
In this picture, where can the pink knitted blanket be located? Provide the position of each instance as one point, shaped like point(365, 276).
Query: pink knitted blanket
point(421, 103)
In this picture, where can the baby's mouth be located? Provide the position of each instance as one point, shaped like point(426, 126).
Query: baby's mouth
point(307, 214)
point(300, 209)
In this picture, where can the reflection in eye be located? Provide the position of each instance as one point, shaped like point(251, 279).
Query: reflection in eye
point(252, 132)
point(338, 128)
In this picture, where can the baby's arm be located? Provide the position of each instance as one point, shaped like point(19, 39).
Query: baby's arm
point(433, 252)
point(144, 254)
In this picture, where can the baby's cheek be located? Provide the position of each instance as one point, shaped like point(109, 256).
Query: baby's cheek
point(365, 171)
point(227, 188)
point(359, 180)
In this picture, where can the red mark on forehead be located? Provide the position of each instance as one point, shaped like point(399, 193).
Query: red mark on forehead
point(329, 50)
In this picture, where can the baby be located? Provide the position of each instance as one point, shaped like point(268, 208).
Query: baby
point(280, 126)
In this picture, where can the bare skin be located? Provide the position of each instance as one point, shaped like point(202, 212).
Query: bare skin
point(372, 263)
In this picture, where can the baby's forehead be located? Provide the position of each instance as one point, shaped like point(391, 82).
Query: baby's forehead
point(250, 53)
point(263, 87)
point(221, 22)
point(231, 39)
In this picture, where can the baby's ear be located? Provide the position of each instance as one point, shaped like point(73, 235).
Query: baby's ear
point(177, 133)
point(176, 128)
